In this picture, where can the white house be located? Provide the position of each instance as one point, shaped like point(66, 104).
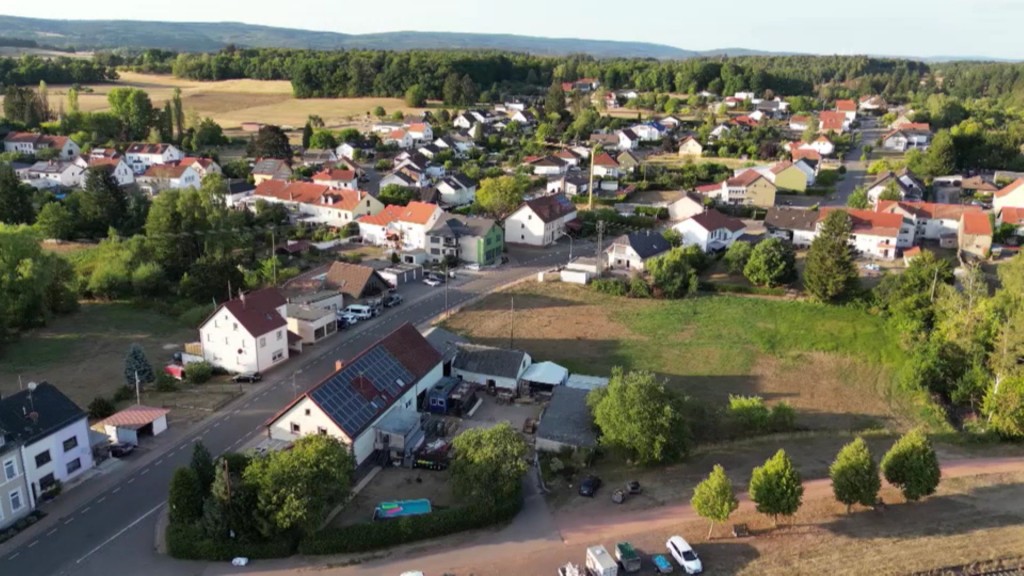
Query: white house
point(337, 178)
point(931, 221)
point(719, 131)
point(203, 166)
point(32, 143)
point(160, 177)
point(247, 334)
point(116, 165)
point(1010, 196)
point(399, 137)
point(799, 122)
point(605, 165)
point(141, 156)
point(345, 150)
point(632, 251)
point(628, 140)
point(810, 172)
point(420, 132)
point(406, 177)
point(1012, 216)
point(684, 208)
point(318, 203)
point(822, 145)
point(908, 137)
point(370, 401)
point(457, 189)
point(572, 183)
point(15, 494)
point(799, 225)
point(548, 166)
point(522, 117)
point(413, 221)
point(311, 323)
point(647, 132)
point(848, 108)
point(491, 367)
point(710, 230)
point(54, 174)
point(53, 433)
point(460, 144)
point(876, 234)
point(540, 221)
point(904, 181)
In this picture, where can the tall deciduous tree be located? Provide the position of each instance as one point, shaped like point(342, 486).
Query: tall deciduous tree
point(270, 142)
point(714, 498)
point(137, 367)
point(451, 91)
point(489, 465)
point(772, 263)
point(737, 256)
point(73, 101)
point(102, 205)
point(297, 488)
point(859, 199)
point(776, 487)
point(307, 135)
point(178, 114)
point(56, 221)
point(135, 110)
point(554, 101)
point(34, 284)
point(500, 196)
point(15, 198)
point(674, 273)
point(854, 474)
point(1004, 407)
point(323, 140)
point(638, 415)
point(415, 96)
point(831, 273)
point(912, 466)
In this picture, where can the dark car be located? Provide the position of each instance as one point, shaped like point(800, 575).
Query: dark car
point(250, 377)
point(589, 486)
point(392, 300)
point(121, 449)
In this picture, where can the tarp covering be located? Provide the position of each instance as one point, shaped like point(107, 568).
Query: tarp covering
point(546, 373)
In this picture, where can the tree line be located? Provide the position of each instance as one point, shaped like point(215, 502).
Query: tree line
point(29, 70)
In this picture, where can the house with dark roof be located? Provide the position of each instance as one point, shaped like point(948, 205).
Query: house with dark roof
point(32, 143)
point(248, 333)
point(456, 189)
point(796, 224)
point(710, 230)
point(566, 422)
point(492, 367)
point(572, 183)
point(51, 434)
point(270, 169)
point(371, 401)
point(632, 251)
point(903, 181)
point(540, 221)
point(469, 238)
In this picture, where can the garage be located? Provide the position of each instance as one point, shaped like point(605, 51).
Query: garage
point(133, 423)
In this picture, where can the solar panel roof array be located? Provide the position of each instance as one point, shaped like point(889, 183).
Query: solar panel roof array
point(362, 390)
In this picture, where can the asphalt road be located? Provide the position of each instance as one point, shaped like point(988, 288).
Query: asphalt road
point(112, 533)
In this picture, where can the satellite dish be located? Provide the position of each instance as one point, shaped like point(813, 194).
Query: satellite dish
point(32, 386)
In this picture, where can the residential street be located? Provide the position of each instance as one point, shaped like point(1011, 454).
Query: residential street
point(110, 529)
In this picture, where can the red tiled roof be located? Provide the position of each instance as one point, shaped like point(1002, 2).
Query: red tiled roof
point(799, 119)
point(846, 106)
point(745, 178)
point(386, 216)
point(171, 171)
point(134, 417)
point(801, 153)
point(832, 121)
point(302, 192)
point(976, 224)
point(257, 311)
point(712, 219)
point(744, 121)
point(567, 155)
point(922, 126)
point(709, 188)
point(143, 148)
point(929, 210)
point(780, 167)
point(1012, 215)
point(417, 212)
point(1010, 188)
point(604, 159)
point(869, 222)
point(204, 162)
point(343, 199)
point(911, 252)
point(398, 134)
point(334, 174)
point(417, 127)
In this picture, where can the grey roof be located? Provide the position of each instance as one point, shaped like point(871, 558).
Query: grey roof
point(646, 243)
point(30, 415)
point(489, 361)
point(272, 166)
point(240, 185)
point(791, 219)
point(306, 313)
point(459, 180)
point(444, 342)
point(458, 226)
point(567, 419)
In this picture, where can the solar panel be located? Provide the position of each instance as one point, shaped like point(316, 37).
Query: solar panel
point(346, 404)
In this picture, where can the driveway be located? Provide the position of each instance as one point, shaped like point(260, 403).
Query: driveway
point(856, 171)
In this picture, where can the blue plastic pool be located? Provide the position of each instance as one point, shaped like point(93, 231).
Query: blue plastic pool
point(401, 508)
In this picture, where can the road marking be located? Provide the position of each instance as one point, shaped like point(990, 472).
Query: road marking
point(130, 480)
point(144, 471)
point(159, 462)
point(217, 424)
point(86, 509)
point(34, 542)
point(69, 521)
point(116, 490)
point(13, 556)
point(123, 530)
point(50, 533)
point(235, 412)
point(100, 501)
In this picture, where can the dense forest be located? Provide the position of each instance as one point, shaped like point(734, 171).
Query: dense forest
point(31, 70)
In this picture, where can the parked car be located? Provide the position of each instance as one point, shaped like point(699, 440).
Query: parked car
point(121, 449)
point(684, 555)
point(251, 377)
point(392, 300)
point(345, 320)
point(431, 281)
point(589, 486)
point(360, 311)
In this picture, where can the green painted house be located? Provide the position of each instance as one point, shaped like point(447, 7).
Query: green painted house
point(789, 177)
point(471, 239)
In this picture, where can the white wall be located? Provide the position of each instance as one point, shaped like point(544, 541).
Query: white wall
point(693, 234)
point(59, 459)
point(307, 329)
point(222, 340)
point(16, 483)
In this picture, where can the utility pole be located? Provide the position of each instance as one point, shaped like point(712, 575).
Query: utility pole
point(512, 324)
point(600, 239)
point(446, 288)
point(590, 187)
point(273, 256)
point(138, 394)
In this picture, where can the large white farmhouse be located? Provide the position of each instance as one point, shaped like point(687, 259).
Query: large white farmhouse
point(247, 334)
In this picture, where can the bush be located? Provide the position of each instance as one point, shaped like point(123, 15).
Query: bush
point(638, 288)
point(388, 533)
point(100, 408)
point(166, 383)
point(199, 372)
point(123, 393)
point(194, 315)
point(188, 542)
point(612, 286)
point(842, 170)
point(751, 416)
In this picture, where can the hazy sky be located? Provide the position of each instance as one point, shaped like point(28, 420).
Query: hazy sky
point(898, 27)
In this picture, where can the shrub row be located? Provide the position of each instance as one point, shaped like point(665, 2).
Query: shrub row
point(187, 542)
point(740, 289)
point(388, 533)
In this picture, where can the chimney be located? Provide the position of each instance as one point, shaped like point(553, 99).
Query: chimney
point(241, 296)
point(337, 365)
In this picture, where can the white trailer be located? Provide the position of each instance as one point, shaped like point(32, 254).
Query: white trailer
point(600, 562)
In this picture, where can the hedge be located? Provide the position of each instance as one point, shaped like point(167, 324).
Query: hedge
point(388, 533)
point(187, 542)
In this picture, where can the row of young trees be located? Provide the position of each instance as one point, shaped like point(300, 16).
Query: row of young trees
point(776, 487)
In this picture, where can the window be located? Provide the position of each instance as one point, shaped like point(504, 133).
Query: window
point(522, 237)
point(16, 503)
point(263, 341)
point(522, 225)
point(279, 355)
point(236, 326)
point(10, 469)
point(74, 465)
point(529, 216)
point(42, 458)
point(296, 429)
point(308, 411)
point(321, 430)
point(209, 337)
point(71, 443)
point(280, 334)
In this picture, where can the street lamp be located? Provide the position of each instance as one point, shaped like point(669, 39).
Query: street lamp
point(295, 391)
point(565, 234)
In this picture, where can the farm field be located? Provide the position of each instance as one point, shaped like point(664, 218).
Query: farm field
point(674, 160)
point(832, 364)
point(232, 102)
point(83, 355)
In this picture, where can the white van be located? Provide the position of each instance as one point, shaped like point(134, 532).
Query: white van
point(360, 311)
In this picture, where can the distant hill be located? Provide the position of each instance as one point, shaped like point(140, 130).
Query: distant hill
point(212, 36)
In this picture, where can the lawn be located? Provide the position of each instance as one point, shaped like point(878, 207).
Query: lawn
point(397, 484)
point(674, 160)
point(232, 102)
point(83, 355)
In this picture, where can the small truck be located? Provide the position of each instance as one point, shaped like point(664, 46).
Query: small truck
point(627, 557)
point(600, 562)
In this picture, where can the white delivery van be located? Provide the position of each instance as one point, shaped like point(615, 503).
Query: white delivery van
point(360, 311)
point(600, 562)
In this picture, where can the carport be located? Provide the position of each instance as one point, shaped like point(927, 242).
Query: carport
point(544, 376)
point(132, 423)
